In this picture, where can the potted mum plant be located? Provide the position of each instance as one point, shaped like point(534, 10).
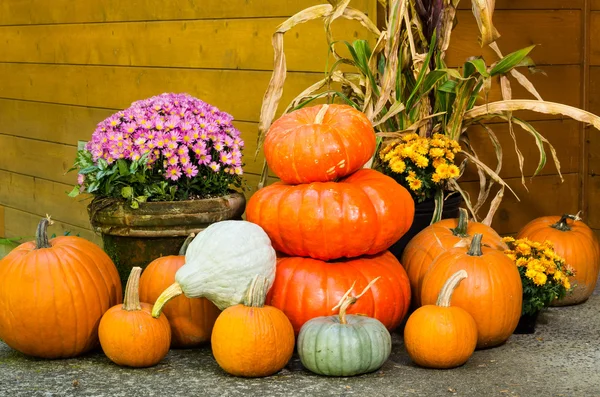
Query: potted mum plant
point(165, 167)
point(404, 86)
point(544, 274)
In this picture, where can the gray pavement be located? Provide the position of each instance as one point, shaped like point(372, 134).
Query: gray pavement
point(561, 359)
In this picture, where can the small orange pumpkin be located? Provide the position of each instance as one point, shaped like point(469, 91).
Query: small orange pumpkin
point(437, 238)
point(191, 319)
point(493, 293)
point(440, 335)
point(577, 243)
point(129, 335)
point(251, 339)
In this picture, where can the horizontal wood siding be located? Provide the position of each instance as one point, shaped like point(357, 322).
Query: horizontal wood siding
point(66, 65)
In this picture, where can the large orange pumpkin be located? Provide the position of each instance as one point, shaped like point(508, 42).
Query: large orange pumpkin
point(492, 294)
point(53, 294)
point(306, 288)
point(365, 213)
point(577, 243)
point(437, 238)
point(191, 319)
point(319, 143)
point(252, 339)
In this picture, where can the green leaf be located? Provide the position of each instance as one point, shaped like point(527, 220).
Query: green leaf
point(74, 192)
point(135, 205)
point(81, 145)
point(102, 164)
point(88, 170)
point(448, 86)
point(93, 187)
point(142, 199)
point(510, 61)
point(421, 76)
point(127, 192)
point(473, 65)
point(431, 80)
point(123, 168)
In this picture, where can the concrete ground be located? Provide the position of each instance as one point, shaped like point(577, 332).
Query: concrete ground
point(561, 359)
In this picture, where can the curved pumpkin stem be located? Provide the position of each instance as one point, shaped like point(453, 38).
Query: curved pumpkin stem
point(171, 292)
point(321, 114)
point(475, 248)
point(256, 294)
point(463, 222)
point(132, 290)
point(186, 244)
point(562, 224)
point(450, 285)
point(348, 300)
point(41, 233)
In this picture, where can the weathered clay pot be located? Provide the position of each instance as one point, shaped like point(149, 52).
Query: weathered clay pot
point(135, 237)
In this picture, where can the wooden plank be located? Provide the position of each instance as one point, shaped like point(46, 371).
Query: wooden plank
point(23, 224)
point(246, 43)
point(214, 44)
point(595, 4)
point(594, 90)
point(594, 32)
point(520, 29)
point(2, 222)
point(562, 134)
point(546, 196)
point(531, 4)
point(239, 93)
point(593, 184)
point(35, 12)
point(36, 195)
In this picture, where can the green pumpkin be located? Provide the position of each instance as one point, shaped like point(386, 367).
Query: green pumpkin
point(344, 345)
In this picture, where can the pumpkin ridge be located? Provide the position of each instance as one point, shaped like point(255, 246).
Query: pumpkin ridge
point(74, 325)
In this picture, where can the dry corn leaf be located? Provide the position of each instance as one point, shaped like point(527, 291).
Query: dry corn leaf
point(483, 10)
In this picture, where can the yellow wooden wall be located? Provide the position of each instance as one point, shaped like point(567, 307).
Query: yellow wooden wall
point(66, 65)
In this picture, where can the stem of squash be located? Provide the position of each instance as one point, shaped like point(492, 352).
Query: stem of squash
point(463, 222)
point(41, 233)
point(450, 285)
point(321, 114)
point(132, 290)
point(186, 244)
point(171, 292)
point(562, 224)
point(348, 300)
point(256, 294)
point(475, 248)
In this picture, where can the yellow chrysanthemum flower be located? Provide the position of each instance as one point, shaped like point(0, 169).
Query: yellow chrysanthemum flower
point(540, 279)
point(558, 275)
point(435, 178)
point(412, 174)
point(521, 262)
point(566, 283)
point(449, 155)
point(415, 184)
point(421, 161)
point(453, 171)
point(436, 152)
point(407, 151)
point(523, 249)
point(442, 170)
point(530, 274)
point(511, 256)
point(438, 143)
point(398, 166)
point(409, 137)
point(437, 162)
point(508, 239)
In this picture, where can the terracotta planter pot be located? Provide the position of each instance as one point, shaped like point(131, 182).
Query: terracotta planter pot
point(135, 237)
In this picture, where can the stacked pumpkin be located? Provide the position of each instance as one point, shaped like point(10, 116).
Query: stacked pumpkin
point(331, 220)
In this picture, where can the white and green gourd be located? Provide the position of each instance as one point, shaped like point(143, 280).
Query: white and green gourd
point(344, 345)
point(220, 264)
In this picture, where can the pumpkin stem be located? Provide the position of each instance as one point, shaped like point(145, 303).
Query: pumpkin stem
point(132, 290)
point(171, 292)
point(41, 233)
point(463, 221)
point(186, 244)
point(450, 285)
point(321, 114)
point(348, 300)
point(562, 224)
point(475, 248)
point(256, 294)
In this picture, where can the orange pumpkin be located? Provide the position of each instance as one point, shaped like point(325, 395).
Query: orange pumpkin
point(437, 238)
point(319, 143)
point(440, 335)
point(492, 294)
point(191, 319)
point(129, 335)
point(363, 214)
point(577, 243)
point(251, 339)
point(53, 294)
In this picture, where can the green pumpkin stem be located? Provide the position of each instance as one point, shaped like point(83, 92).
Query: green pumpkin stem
point(256, 294)
point(348, 300)
point(463, 222)
point(171, 292)
point(186, 244)
point(475, 248)
point(132, 290)
point(450, 285)
point(41, 233)
point(562, 224)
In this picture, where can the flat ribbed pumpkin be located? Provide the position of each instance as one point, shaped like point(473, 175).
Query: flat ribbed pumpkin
point(577, 243)
point(437, 238)
point(492, 294)
point(319, 143)
point(363, 214)
point(191, 319)
point(306, 288)
point(53, 294)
